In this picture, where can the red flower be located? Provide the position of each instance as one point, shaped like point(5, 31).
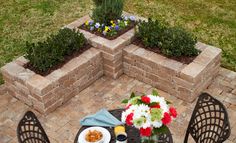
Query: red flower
point(146, 132)
point(127, 107)
point(129, 119)
point(173, 112)
point(145, 99)
point(156, 106)
point(167, 119)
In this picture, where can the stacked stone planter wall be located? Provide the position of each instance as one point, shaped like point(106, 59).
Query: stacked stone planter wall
point(181, 80)
point(112, 58)
point(45, 94)
point(111, 49)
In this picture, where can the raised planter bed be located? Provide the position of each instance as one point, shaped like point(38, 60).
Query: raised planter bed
point(45, 94)
point(112, 58)
point(185, 81)
point(111, 49)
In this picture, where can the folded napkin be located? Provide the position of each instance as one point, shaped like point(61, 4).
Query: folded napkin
point(101, 118)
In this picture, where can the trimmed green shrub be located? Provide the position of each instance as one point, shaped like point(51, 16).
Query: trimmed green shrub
point(46, 54)
point(178, 42)
point(150, 32)
point(172, 41)
point(107, 10)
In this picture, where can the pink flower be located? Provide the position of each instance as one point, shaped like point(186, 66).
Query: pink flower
point(156, 106)
point(129, 119)
point(145, 99)
point(173, 112)
point(146, 132)
point(167, 119)
point(127, 107)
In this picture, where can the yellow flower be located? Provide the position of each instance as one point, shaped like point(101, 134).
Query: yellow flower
point(113, 25)
point(112, 22)
point(86, 23)
point(107, 28)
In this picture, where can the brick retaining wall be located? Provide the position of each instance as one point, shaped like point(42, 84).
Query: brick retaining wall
point(45, 94)
point(181, 80)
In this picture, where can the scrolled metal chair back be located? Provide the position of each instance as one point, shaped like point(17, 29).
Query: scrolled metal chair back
point(209, 122)
point(29, 130)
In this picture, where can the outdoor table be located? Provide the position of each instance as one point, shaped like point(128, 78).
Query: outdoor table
point(132, 132)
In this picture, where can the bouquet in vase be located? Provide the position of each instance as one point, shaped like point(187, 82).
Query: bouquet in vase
point(149, 113)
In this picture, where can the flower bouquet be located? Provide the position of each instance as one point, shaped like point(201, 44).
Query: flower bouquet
point(150, 114)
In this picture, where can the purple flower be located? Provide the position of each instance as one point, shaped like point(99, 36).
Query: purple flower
point(91, 28)
point(132, 18)
point(97, 25)
point(125, 18)
point(91, 22)
point(103, 25)
point(117, 27)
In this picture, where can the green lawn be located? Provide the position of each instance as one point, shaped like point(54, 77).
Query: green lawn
point(212, 21)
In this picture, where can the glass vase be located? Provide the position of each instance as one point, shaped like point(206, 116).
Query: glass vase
point(152, 139)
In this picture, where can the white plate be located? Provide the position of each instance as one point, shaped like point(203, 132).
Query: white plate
point(105, 132)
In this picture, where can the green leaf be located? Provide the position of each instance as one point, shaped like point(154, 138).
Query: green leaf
point(139, 101)
point(161, 130)
point(125, 101)
point(155, 93)
point(153, 103)
point(168, 102)
point(132, 95)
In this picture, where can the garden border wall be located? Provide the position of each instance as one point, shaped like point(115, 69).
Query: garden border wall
point(182, 80)
point(45, 94)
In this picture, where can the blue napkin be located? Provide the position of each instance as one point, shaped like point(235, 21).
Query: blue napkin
point(101, 118)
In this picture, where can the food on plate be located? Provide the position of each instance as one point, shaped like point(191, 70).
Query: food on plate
point(93, 136)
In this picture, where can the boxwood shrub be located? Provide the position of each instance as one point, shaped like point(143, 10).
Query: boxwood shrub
point(150, 32)
point(178, 42)
point(172, 41)
point(44, 55)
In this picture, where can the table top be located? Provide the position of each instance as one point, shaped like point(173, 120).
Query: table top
point(132, 132)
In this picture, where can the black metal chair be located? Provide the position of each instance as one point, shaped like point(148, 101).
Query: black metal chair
point(29, 130)
point(209, 122)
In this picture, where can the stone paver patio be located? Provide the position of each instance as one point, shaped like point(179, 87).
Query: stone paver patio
point(63, 124)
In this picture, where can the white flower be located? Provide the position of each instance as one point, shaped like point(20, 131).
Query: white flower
point(126, 23)
point(97, 25)
point(132, 18)
point(146, 125)
point(157, 124)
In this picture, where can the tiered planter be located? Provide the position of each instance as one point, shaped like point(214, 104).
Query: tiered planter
point(181, 80)
point(45, 94)
point(111, 49)
point(112, 58)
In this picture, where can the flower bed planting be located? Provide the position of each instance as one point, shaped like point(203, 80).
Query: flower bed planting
point(111, 31)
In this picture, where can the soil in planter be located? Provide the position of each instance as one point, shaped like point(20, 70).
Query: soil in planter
point(182, 59)
point(67, 58)
point(120, 32)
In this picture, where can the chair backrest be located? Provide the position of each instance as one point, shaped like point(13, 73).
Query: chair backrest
point(209, 122)
point(29, 130)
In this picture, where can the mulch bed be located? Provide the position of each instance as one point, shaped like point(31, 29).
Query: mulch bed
point(120, 32)
point(182, 59)
point(67, 58)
